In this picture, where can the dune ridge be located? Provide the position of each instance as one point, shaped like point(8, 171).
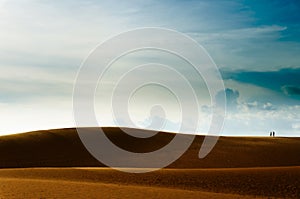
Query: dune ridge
point(247, 167)
point(63, 148)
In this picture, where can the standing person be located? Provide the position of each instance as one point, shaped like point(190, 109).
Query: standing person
point(273, 133)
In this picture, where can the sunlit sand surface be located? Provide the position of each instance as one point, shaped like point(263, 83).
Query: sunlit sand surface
point(55, 164)
point(28, 188)
point(274, 182)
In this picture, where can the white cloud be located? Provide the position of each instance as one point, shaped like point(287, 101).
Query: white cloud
point(259, 120)
point(42, 44)
point(23, 117)
point(262, 32)
point(296, 126)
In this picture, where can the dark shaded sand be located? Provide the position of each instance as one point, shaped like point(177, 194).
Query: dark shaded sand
point(237, 167)
point(63, 148)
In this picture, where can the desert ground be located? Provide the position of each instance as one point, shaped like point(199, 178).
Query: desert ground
point(55, 164)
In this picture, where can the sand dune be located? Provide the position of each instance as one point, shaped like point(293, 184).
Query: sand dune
point(188, 183)
point(237, 167)
point(63, 148)
point(11, 188)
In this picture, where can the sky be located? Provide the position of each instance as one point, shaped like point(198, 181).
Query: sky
point(255, 44)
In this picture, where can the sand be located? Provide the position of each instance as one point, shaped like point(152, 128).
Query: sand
point(29, 188)
point(63, 148)
point(279, 182)
point(55, 164)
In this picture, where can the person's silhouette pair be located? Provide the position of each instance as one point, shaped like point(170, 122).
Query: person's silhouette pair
point(272, 134)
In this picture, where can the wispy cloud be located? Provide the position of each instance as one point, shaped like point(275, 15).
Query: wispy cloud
point(42, 44)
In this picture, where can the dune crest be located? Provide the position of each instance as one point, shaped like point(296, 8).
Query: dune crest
point(63, 148)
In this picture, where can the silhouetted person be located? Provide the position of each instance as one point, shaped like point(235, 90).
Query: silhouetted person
point(273, 133)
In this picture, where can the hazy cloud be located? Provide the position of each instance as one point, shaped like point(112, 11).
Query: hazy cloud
point(44, 42)
point(231, 98)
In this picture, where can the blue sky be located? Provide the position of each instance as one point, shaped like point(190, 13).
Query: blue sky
point(255, 44)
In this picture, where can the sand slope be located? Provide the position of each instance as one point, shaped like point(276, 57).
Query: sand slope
point(24, 188)
point(63, 148)
point(237, 167)
point(252, 182)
